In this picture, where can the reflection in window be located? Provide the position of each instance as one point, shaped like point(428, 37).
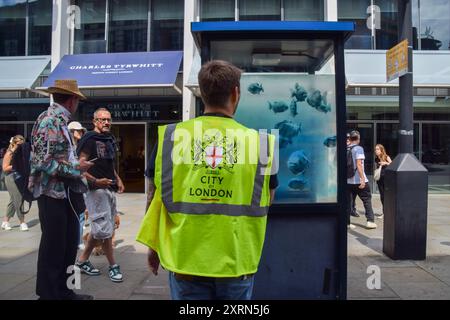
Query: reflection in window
point(90, 38)
point(436, 155)
point(40, 27)
point(360, 12)
point(434, 33)
point(259, 10)
point(303, 10)
point(12, 27)
point(167, 25)
point(356, 11)
point(128, 26)
point(217, 10)
point(386, 37)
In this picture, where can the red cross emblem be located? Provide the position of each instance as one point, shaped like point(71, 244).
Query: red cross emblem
point(214, 156)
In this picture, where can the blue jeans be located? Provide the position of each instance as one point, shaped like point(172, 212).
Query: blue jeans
point(219, 289)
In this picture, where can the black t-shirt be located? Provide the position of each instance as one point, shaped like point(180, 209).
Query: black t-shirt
point(105, 153)
point(150, 171)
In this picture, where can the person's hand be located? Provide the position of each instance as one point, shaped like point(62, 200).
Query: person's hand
point(153, 261)
point(362, 185)
point(84, 165)
point(120, 186)
point(103, 183)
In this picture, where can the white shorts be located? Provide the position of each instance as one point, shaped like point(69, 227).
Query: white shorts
point(101, 206)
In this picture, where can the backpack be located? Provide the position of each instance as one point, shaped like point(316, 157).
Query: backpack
point(351, 170)
point(21, 165)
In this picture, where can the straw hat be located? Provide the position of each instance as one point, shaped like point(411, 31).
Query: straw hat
point(66, 86)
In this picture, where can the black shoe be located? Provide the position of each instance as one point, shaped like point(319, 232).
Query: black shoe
point(354, 214)
point(81, 297)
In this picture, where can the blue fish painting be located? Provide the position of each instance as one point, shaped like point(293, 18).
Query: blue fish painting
point(298, 162)
point(299, 93)
point(255, 88)
point(278, 106)
point(319, 102)
point(288, 129)
point(298, 183)
point(293, 108)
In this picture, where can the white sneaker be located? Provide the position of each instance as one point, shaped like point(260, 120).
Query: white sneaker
point(351, 226)
point(371, 225)
point(6, 226)
point(23, 227)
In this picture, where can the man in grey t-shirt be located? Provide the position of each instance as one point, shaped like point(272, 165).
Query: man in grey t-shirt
point(359, 184)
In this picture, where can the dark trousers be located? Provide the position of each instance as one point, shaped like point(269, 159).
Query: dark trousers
point(365, 195)
point(380, 184)
point(58, 247)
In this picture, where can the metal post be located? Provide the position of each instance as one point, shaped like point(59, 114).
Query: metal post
point(406, 139)
point(405, 179)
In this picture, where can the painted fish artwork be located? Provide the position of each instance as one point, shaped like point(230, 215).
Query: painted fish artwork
point(255, 88)
point(293, 108)
point(330, 142)
point(299, 93)
point(298, 162)
point(298, 183)
point(288, 129)
point(319, 102)
point(278, 106)
point(299, 109)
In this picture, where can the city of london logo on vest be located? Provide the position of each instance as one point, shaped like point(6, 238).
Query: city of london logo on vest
point(213, 156)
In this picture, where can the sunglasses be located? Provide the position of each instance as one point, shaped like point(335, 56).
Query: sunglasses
point(104, 120)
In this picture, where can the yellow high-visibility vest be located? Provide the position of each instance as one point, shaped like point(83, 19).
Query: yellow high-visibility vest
point(208, 214)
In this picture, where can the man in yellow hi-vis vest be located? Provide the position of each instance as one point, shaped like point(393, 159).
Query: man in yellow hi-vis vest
point(213, 184)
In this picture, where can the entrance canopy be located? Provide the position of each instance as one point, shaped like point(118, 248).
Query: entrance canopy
point(20, 73)
point(157, 69)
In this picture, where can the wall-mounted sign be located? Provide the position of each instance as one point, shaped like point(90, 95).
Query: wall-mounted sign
point(135, 111)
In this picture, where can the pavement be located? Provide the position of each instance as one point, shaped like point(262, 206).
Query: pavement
point(428, 279)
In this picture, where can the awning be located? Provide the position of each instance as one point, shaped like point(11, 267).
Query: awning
point(367, 68)
point(157, 69)
point(20, 73)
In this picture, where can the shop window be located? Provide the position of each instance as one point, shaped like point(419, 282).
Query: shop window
point(431, 21)
point(40, 27)
point(128, 26)
point(167, 25)
point(303, 10)
point(259, 10)
point(12, 27)
point(436, 155)
point(217, 10)
point(384, 13)
point(90, 38)
point(6, 132)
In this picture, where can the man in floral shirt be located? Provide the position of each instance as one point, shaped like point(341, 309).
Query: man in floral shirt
point(54, 170)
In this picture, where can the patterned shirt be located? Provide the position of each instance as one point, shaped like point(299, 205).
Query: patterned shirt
point(53, 156)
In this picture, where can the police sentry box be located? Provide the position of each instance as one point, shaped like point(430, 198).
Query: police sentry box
point(293, 86)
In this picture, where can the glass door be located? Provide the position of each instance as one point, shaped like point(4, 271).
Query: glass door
point(130, 161)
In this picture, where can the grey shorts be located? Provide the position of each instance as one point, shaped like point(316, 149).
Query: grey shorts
point(101, 206)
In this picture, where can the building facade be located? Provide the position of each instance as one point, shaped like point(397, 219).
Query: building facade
point(41, 32)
